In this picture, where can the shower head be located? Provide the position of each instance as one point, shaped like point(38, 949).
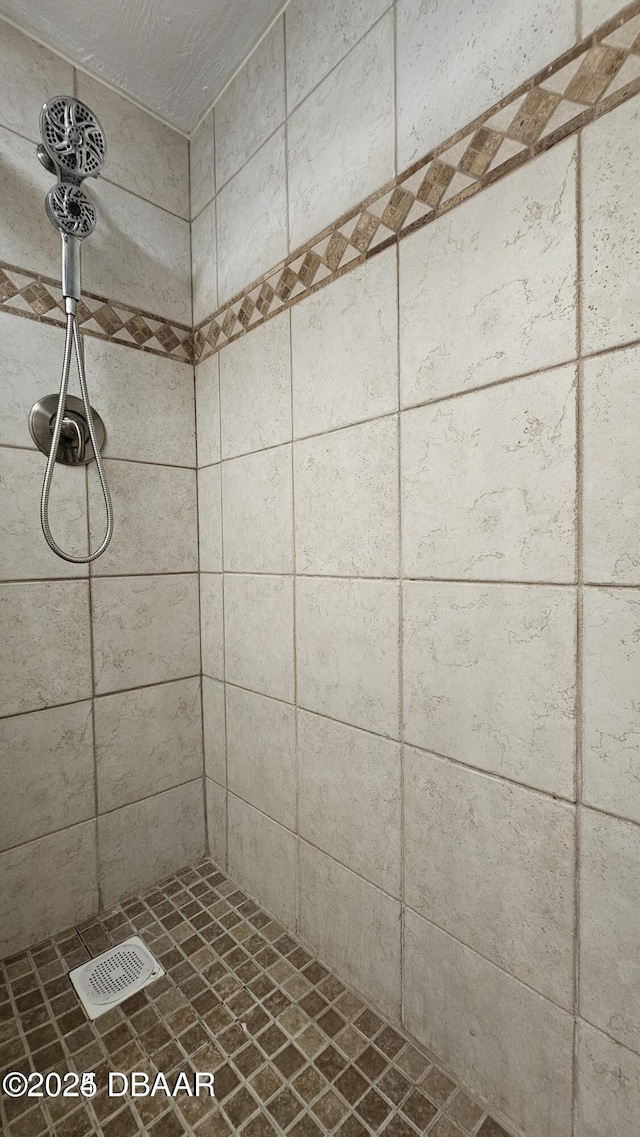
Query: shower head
point(73, 214)
point(73, 142)
point(70, 210)
point(73, 148)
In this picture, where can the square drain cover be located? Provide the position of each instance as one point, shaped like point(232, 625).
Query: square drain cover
point(114, 976)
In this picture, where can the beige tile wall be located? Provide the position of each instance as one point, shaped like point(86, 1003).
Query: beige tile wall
point(431, 719)
point(418, 552)
point(100, 710)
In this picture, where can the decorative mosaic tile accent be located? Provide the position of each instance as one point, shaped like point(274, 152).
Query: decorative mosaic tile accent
point(592, 78)
point(584, 83)
point(292, 1050)
point(40, 298)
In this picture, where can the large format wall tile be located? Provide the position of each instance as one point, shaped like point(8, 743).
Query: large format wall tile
point(210, 519)
point(47, 885)
point(24, 553)
point(262, 859)
point(30, 76)
point(347, 651)
point(258, 614)
point(346, 501)
point(143, 154)
point(318, 35)
point(507, 1043)
point(352, 925)
point(489, 483)
point(145, 630)
point(213, 730)
point(138, 254)
point(255, 389)
point(608, 1086)
point(611, 468)
point(455, 61)
point(144, 842)
point(216, 801)
point(257, 507)
point(27, 238)
point(350, 797)
point(211, 624)
point(341, 139)
point(252, 227)
point(46, 654)
point(611, 676)
point(203, 263)
point(610, 927)
point(611, 229)
point(344, 348)
point(489, 678)
point(24, 345)
point(252, 106)
point(202, 164)
point(510, 284)
point(146, 741)
point(493, 865)
point(146, 402)
point(156, 526)
point(208, 411)
point(261, 753)
point(47, 772)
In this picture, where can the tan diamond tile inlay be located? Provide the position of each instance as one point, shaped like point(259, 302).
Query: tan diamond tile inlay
point(570, 93)
point(564, 94)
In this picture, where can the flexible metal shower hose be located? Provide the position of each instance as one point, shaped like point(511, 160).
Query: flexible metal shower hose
point(72, 340)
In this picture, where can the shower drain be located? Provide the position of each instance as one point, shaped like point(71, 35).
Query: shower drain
point(114, 976)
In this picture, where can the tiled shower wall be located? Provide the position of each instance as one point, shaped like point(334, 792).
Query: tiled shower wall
point(419, 552)
point(100, 727)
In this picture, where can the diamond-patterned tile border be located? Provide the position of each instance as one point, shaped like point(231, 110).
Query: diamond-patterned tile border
point(592, 78)
point(584, 83)
point(40, 298)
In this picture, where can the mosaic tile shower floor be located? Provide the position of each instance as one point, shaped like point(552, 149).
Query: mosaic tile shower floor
point(293, 1051)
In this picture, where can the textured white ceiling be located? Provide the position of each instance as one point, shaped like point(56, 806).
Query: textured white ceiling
point(173, 56)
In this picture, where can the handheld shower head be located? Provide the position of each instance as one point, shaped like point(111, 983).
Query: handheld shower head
point(74, 148)
point(73, 214)
point(70, 210)
point(73, 140)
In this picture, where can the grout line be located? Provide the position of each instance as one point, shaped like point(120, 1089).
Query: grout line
point(221, 574)
point(99, 576)
point(295, 644)
point(486, 958)
point(288, 111)
point(92, 664)
point(391, 896)
point(197, 519)
point(107, 457)
point(241, 66)
point(407, 579)
point(389, 414)
point(481, 582)
point(103, 813)
point(400, 642)
point(285, 127)
point(103, 178)
point(464, 765)
point(98, 695)
point(579, 697)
